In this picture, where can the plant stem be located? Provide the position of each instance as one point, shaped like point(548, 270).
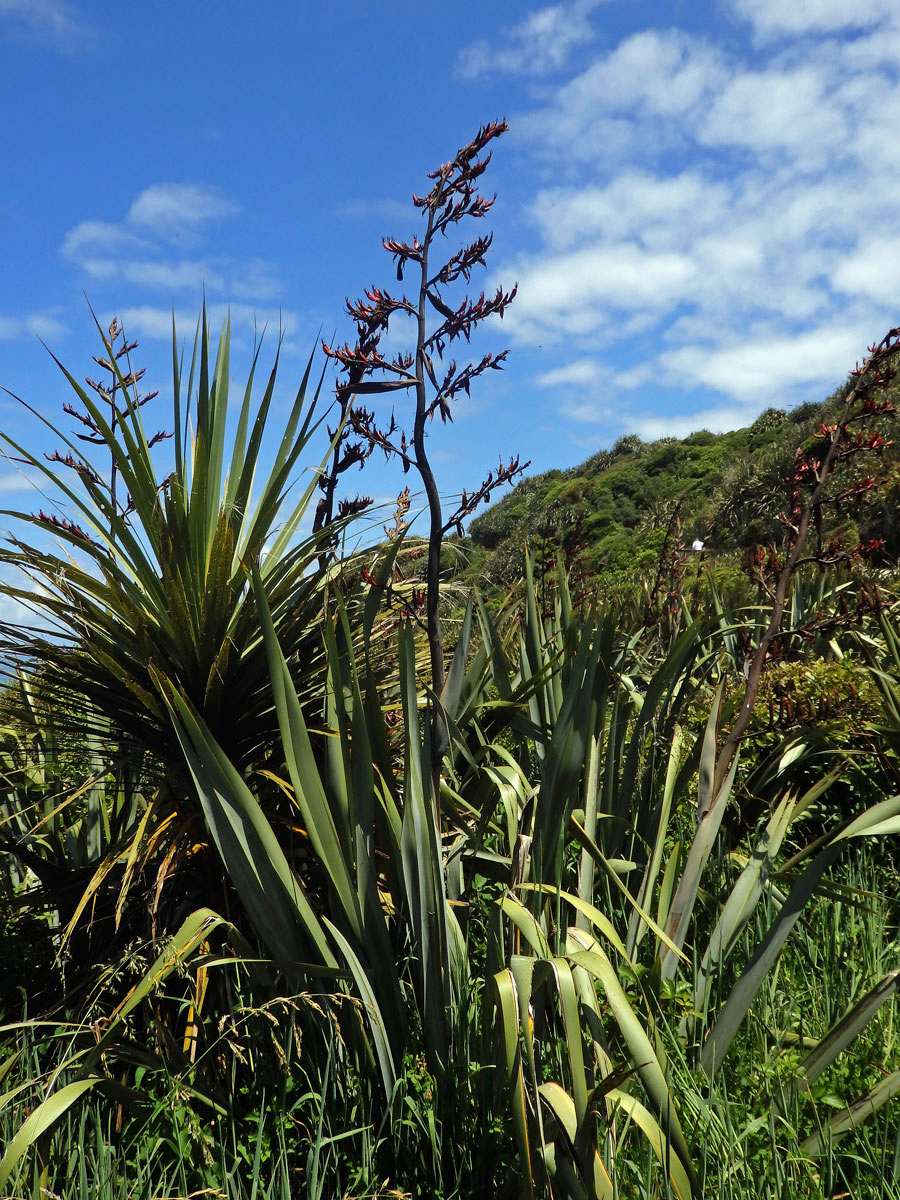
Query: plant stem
point(439, 740)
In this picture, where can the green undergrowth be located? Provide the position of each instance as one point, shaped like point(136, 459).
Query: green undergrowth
point(609, 945)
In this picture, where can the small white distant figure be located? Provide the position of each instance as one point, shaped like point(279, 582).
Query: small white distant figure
point(698, 544)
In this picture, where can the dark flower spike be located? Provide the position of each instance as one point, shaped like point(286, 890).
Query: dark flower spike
point(121, 400)
point(75, 464)
point(63, 526)
point(453, 196)
point(350, 508)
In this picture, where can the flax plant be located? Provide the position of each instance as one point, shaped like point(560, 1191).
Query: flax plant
point(161, 581)
point(146, 576)
point(424, 372)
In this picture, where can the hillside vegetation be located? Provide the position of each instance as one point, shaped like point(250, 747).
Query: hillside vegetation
point(610, 514)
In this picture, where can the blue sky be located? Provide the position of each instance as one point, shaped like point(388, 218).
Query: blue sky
point(698, 200)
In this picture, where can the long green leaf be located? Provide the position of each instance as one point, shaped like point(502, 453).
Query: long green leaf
point(745, 990)
point(647, 1065)
point(650, 1127)
point(332, 845)
point(850, 1026)
point(273, 895)
point(48, 1112)
point(742, 899)
point(505, 999)
point(853, 1116)
point(682, 907)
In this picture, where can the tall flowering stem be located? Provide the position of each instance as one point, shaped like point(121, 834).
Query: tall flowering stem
point(120, 396)
point(423, 372)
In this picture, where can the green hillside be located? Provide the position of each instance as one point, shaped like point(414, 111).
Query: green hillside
point(610, 513)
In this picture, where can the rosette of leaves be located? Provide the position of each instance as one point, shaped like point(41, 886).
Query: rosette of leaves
point(158, 581)
point(133, 581)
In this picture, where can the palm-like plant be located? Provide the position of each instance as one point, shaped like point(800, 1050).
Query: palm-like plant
point(157, 585)
point(162, 581)
point(600, 755)
point(571, 784)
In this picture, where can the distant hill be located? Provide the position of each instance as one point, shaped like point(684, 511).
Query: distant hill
point(611, 513)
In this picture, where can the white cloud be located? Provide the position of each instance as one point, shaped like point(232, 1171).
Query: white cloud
point(91, 237)
point(878, 49)
point(592, 389)
point(539, 44)
point(652, 75)
point(580, 292)
point(45, 325)
point(719, 221)
point(19, 480)
point(666, 92)
point(776, 17)
point(664, 73)
point(163, 211)
point(872, 269)
point(138, 250)
point(631, 106)
point(588, 412)
point(769, 367)
point(781, 111)
point(254, 280)
point(635, 204)
point(168, 207)
point(580, 373)
point(716, 420)
point(149, 321)
point(635, 377)
point(167, 277)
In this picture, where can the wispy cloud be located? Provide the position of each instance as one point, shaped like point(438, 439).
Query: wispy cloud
point(92, 237)
point(655, 78)
point(589, 391)
point(582, 372)
point(44, 325)
point(580, 292)
point(717, 420)
point(753, 369)
point(248, 322)
point(185, 274)
point(590, 412)
point(169, 209)
point(774, 17)
point(140, 249)
point(537, 45)
point(172, 207)
point(54, 21)
point(12, 481)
